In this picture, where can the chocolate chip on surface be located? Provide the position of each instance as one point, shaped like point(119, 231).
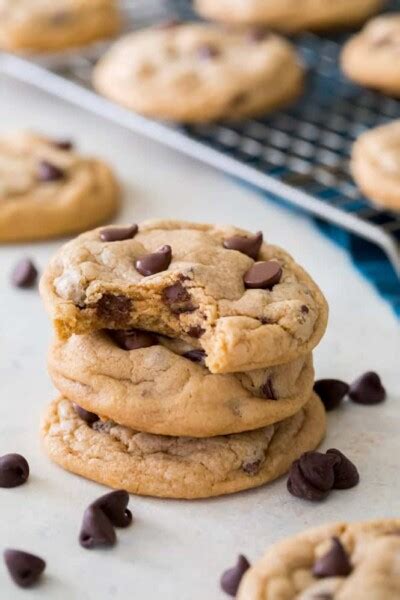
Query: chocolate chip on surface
point(133, 339)
point(331, 392)
point(114, 506)
point(197, 355)
point(318, 469)
point(267, 390)
point(48, 172)
point(367, 389)
point(231, 579)
point(150, 264)
point(346, 473)
point(24, 568)
point(247, 245)
point(299, 486)
point(97, 529)
point(24, 274)
point(114, 308)
point(85, 415)
point(178, 299)
point(263, 275)
point(335, 563)
point(14, 470)
point(118, 234)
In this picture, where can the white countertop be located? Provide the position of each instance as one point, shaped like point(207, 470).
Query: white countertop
point(176, 549)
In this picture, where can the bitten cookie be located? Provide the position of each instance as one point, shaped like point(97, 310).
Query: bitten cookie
point(371, 58)
point(178, 467)
point(375, 164)
point(48, 25)
point(161, 386)
point(48, 190)
point(247, 304)
point(290, 15)
point(200, 72)
point(347, 561)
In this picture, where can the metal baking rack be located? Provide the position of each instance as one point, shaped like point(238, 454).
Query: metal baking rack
point(299, 155)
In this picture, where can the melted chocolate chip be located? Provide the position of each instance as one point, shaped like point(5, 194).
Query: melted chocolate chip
point(335, 563)
point(14, 470)
point(247, 245)
point(207, 52)
point(331, 392)
point(112, 308)
point(66, 145)
point(114, 506)
point(367, 389)
point(97, 529)
point(263, 275)
point(118, 234)
point(251, 467)
point(49, 172)
point(196, 331)
point(25, 569)
point(133, 339)
point(345, 472)
point(150, 264)
point(267, 390)
point(24, 274)
point(85, 415)
point(231, 579)
point(178, 299)
point(299, 486)
point(197, 356)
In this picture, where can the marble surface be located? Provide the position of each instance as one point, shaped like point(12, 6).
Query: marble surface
point(177, 550)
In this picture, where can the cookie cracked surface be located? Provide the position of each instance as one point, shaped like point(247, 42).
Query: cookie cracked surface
point(178, 467)
point(200, 298)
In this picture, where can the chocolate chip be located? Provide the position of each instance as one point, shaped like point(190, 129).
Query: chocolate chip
point(247, 245)
point(335, 563)
point(263, 275)
point(150, 264)
point(24, 568)
point(114, 506)
point(318, 469)
point(346, 473)
point(97, 529)
point(331, 392)
point(367, 389)
point(66, 145)
point(252, 467)
point(178, 299)
point(24, 274)
point(207, 52)
point(49, 172)
point(197, 356)
point(304, 309)
point(114, 308)
point(299, 486)
point(14, 470)
point(196, 331)
point(267, 390)
point(257, 34)
point(133, 339)
point(118, 234)
point(85, 415)
point(231, 579)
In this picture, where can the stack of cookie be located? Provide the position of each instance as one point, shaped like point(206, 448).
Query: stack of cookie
point(183, 359)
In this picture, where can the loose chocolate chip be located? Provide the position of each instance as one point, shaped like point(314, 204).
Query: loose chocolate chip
point(14, 470)
point(299, 486)
point(267, 390)
point(247, 245)
point(252, 467)
point(24, 274)
point(24, 568)
point(118, 234)
point(66, 145)
point(197, 356)
point(318, 469)
point(196, 331)
point(85, 415)
point(114, 506)
point(133, 339)
point(97, 529)
point(335, 563)
point(207, 51)
point(263, 275)
point(257, 34)
point(331, 392)
point(346, 473)
point(178, 299)
point(153, 263)
point(367, 389)
point(231, 579)
point(114, 308)
point(49, 172)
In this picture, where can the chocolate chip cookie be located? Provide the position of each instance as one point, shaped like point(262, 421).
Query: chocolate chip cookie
point(372, 57)
point(347, 561)
point(49, 190)
point(47, 26)
point(178, 467)
point(200, 72)
point(245, 303)
point(375, 164)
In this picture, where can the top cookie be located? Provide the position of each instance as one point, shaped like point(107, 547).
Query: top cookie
point(371, 58)
point(338, 561)
point(288, 15)
point(247, 304)
point(200, 72)
point(47, 25)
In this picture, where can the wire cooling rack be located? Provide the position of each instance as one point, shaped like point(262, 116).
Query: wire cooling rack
point(300, 155)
